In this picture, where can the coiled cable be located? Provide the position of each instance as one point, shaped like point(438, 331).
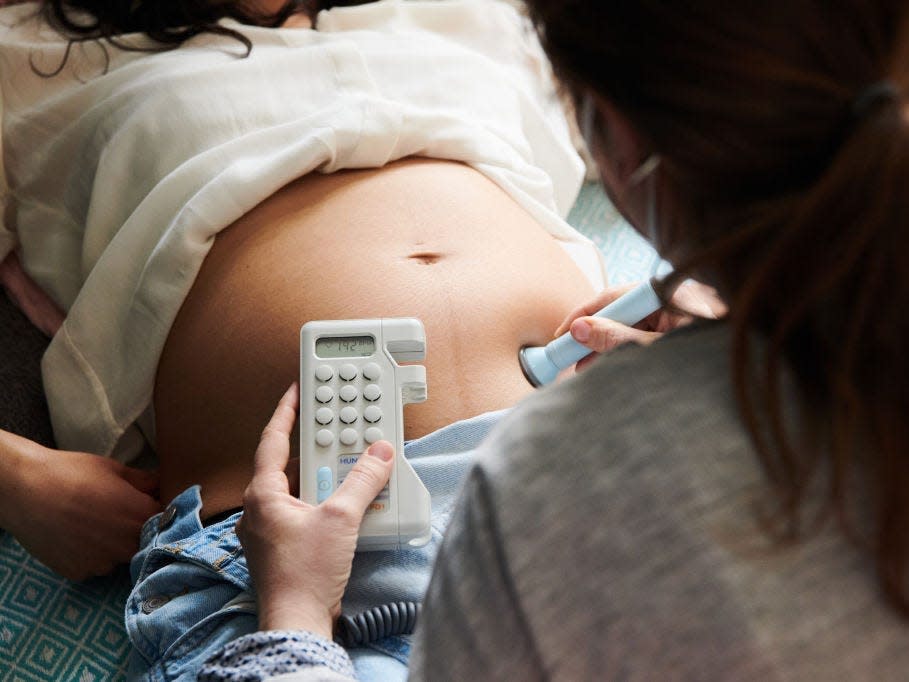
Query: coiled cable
point(385, 620)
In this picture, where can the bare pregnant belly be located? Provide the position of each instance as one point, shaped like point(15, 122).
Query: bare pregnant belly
point(419, 238)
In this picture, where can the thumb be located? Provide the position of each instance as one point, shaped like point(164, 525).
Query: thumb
point(600, 334)
point(366, 480)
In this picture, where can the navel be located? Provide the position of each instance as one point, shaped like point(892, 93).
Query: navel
point(426, 257)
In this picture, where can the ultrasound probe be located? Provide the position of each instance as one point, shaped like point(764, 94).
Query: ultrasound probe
point(542, 364)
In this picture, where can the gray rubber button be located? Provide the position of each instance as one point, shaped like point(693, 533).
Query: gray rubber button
point(372, 371)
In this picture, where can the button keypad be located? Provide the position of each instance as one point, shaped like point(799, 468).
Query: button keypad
point(372, 371)
point(372, 392)
point(349, 410)
point(324, 437)
point(324, 372)
point(349, 436)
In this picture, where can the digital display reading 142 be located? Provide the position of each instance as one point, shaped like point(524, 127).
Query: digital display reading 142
point(345, 346)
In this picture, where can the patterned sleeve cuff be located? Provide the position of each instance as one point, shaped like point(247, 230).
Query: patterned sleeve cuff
point(259, 655)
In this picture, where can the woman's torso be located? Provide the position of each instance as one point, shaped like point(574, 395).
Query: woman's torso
point(419, 238)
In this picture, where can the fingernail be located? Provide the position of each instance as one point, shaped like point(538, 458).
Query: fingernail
point(382, 450)
point(580, 330)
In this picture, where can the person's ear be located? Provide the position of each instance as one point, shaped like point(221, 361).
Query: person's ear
point(620, 151)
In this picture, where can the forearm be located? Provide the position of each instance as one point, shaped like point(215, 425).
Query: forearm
point(17, 455)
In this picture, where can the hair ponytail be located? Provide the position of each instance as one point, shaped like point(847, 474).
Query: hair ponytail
point(842, 328)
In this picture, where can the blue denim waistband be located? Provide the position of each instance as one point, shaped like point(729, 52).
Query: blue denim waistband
point(178, 532)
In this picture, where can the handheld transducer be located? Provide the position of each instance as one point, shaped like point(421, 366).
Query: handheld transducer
point(542, 364)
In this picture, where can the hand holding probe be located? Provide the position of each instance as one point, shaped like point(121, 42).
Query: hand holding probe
point(542, 364)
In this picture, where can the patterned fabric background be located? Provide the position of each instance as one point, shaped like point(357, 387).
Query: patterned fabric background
point(52, 629)
point(629, 257)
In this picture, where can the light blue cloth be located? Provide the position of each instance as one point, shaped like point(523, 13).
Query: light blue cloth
point(192, 590)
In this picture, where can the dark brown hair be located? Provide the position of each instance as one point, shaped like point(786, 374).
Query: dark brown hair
point(788, 182)
point(169, 24)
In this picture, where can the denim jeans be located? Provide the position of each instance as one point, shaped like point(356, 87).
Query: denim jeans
point(192, 592)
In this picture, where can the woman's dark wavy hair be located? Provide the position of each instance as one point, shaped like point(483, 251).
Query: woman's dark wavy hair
point(791, 192)
point(169, 24)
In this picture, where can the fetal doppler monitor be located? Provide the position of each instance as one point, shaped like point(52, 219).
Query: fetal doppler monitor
point(352, 393)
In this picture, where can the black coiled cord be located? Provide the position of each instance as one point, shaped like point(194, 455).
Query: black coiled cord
point(385, 620)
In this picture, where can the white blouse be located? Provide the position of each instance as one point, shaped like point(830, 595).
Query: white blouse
point(124, 166)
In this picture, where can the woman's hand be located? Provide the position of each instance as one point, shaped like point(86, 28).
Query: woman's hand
point(600, 334)
point(300, 555)
point(78, 514)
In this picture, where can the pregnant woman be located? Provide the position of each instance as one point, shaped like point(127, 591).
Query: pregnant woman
point(190, 208)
